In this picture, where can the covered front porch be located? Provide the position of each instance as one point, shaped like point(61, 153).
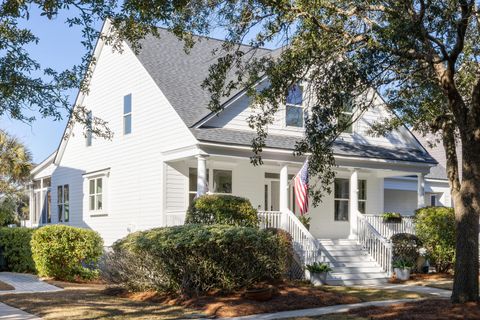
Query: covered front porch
point(358, 187)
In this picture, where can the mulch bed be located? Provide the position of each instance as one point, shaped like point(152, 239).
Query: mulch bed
point(286, 297)
point(432, 309)
point(5, 286)
point(421, 277)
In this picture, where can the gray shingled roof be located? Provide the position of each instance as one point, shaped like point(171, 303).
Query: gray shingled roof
point(179, 75)
point(344, 148)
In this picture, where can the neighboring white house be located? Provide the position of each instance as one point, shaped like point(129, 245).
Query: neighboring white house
point(168, 147)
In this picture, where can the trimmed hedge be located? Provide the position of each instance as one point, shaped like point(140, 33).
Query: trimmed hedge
point(222, 209)
point(435, 227)
point(406, 248)
point(15, 248)
point(197, 258)
point(66, 253)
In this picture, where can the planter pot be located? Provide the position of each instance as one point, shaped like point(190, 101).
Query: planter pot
point(392, 220)
point(318, 279)
point(402, 274)
point(260, 294)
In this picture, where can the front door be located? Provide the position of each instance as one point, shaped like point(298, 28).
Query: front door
point(272, 195)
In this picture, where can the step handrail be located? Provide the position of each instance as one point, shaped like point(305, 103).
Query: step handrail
point(379, 247)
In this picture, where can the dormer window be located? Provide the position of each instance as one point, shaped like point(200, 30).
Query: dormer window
point(294, 107)
point(346, 116)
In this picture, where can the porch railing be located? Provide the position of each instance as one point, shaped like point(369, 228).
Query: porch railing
point(379, 247)
point(304, 243)
point(388, 229)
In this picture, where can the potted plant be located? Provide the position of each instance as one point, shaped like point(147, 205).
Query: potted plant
point(305, 221)
point(318, 273)
point(402, 269)
point(392, 217)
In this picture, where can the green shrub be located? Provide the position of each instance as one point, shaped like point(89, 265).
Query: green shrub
point(15, 247)
point(222, 209)
point(406, 248)
point(197, 258)
point(435, 227)
point(65, 252)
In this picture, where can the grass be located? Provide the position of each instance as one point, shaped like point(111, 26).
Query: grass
point(87, 301)
point(5, 286)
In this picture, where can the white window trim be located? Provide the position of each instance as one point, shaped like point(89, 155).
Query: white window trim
point(62, 186)
point(104, 174)
point(302, 106)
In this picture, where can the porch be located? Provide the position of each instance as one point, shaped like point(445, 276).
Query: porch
point(358, 189)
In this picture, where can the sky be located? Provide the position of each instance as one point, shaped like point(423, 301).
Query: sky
point(60, 48)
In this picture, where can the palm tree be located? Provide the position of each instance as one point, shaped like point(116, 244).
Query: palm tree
point(15, 164)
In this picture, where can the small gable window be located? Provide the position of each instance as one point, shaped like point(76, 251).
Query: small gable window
point(346, 117)
point(294, 107)
point(89, 128)
point(127, 114)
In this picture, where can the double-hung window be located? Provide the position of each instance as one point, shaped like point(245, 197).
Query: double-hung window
point(342, 198)
point(127, 114)
point(95, 194)
point(294, 107)
point(63, 199)
point(222, 182)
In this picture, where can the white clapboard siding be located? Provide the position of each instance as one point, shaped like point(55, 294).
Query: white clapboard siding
point(135, 185)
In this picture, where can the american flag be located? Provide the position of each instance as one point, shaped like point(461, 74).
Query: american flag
point(301, 188)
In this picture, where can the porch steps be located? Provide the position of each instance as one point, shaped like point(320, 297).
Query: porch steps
point(351, 264)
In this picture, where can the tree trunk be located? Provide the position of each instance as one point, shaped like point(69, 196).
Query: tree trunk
point(466, 203)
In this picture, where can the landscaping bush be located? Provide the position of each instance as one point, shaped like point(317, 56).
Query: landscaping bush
point(222, 209)
point(15, 248)
point(435, 227)
point(66, 253)
point(406, 248)
point(197, 258)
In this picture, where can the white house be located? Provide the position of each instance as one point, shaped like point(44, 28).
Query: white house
point(168, 147)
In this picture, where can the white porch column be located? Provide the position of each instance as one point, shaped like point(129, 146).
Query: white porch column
point(284, 188)
point(284, 195)
point(420, 190)
point(202, 185)
point(353, 204)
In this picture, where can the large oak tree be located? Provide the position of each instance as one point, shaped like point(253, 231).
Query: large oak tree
point(421, 56)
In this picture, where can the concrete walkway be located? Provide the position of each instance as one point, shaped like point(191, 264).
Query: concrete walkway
point(347, 307)
point(319, 311)
point(25, 283)
point(10, 313)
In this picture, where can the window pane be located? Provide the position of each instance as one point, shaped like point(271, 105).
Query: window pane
point(89, 128)
point(37, 184)
point(49, 206)
point(91, 205)
point(294, 95)
point(127, 124)
point(99, 202)
point(47, 182)
point(222, 181)
point(433, 200)
point(341, 210)
point(127, 104)
point(344, 123)
point(294, 116)
point(362, 206)
point(99, 185)
point(342, 189)
point(67, 212)
point(362, 189)
point(192, 179)
point(66, 194)
point(60, 212)
point(59, 194)
point(92, 187)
